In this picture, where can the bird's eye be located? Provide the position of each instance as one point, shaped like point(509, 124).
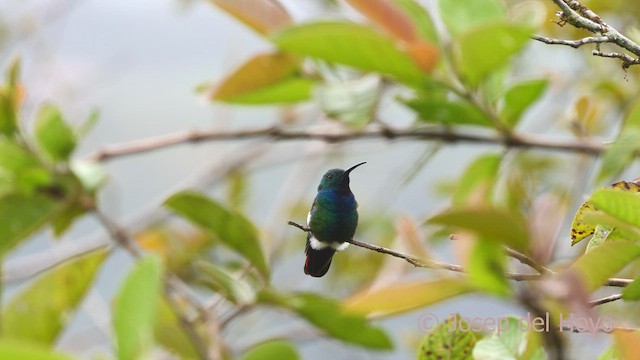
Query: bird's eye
point(330, 177)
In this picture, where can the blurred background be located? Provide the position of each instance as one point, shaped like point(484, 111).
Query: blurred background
point(140, 63)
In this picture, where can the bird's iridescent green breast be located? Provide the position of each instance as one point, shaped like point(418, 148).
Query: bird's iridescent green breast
point(334, 216)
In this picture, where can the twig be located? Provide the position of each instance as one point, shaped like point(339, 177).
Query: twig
point(429, 264)
point(163, 141)
point(119, 235)
point(604, 300)
point(578, 15)
point(573, 43)
point(528, 261)
point(617, 282)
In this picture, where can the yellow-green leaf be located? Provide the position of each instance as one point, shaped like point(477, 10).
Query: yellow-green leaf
point(135, 310)
point(265, 78)
point(170, 334)
point(580, 228)
point(56, 139)
point(518, 98)
point(218, 279)
point(230, 227)
point(41, 311)
point(453, 339)
point(21, 215)
point(483, 49)
point(350, 44)
point(328, 315)
point(603, 262)
point(403, 297)
point(491, 224)
point(622, 205)
point(478, 180)
point(272, 349)
point(18, 350)
point(462, 16)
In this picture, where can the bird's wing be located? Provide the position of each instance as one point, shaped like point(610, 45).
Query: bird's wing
point(311, 211)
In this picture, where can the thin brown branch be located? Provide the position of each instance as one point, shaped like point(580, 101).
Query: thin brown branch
point(626, 59)
point(578, 15)
point(428, 264)
point(172, 288)
point(573, 43)
point(618, 282)
point(528, 261)
point(606, 299)
point(173, 139)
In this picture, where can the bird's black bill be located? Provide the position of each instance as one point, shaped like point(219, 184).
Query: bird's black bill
point(318, 261)
point(354, 166)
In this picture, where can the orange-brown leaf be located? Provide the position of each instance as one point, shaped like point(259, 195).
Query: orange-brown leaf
point(389, 16)
point(423, 54)
point(264, 16)
point(261, 71)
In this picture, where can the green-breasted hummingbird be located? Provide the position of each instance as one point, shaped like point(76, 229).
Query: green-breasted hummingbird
point(332, 221)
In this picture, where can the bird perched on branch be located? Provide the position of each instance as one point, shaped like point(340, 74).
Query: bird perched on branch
point(332, 221)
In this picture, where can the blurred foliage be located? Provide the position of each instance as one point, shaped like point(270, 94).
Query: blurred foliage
point(468, 75)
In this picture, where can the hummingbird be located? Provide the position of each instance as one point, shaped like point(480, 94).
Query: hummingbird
point(332, 221)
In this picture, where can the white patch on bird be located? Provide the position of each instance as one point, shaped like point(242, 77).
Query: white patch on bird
point(308, 217)
point(317, 244)
point(339, 246)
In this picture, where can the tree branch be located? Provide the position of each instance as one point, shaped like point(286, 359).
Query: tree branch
point(119, 235)
point(428, 264)
point(196, 136)
point(606, 299)
point(578, 15)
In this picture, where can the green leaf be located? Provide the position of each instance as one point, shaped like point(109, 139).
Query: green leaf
point(54, 136)
point(580, 227)
point(421, 19)
point(622, 205)
point(14, 158)
point(632, 291)
point(620, 155)
point(135, 308)
point(21, 215)
point(403, 297)
point(453, 339)
point(230, 227)
point(508, 342)
point(63, 220)
point(287, 91)
point(478, 181)
point(486, 268)
point(219, 280)
point(349, 44)
point(170, 334)
point(330, 317)
point(272, 349)
point(481, 50)
point(265, 79)
point(492, 224)
point(600, 235)
point(448, 112)
point(463, 16)
point(9, 100)
point(518, 98)
point(19, 350)
point(42, 310)
point(603, 262)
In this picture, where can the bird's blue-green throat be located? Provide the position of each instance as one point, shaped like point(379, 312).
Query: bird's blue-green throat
point(332, 221)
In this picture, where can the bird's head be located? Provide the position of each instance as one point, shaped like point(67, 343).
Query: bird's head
point(337, 179)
